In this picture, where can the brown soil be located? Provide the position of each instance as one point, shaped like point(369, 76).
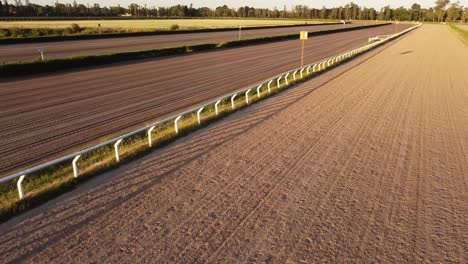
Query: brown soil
point(367, 164)
point(43, 118)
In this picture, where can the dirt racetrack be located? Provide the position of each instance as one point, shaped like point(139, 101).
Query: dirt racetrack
point(365, 164)
point(46, 117)
point(62, 49)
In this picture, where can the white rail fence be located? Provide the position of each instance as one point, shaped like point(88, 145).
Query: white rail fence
point(308, 69)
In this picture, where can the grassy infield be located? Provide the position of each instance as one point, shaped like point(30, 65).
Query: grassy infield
point(48, 183)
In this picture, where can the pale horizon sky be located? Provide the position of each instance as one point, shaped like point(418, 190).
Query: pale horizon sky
point(254, 3)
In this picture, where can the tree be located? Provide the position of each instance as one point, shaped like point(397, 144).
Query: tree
point(401, 14)
point(454, 12)
point(323, 13)
point(372, 14)
point(388, 13)
point(465, 15)
point(440, 9)
point(416, 12)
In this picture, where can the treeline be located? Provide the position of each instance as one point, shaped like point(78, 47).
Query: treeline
point(442, 11)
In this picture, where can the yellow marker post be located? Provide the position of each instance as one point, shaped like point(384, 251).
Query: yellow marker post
point(303, 37)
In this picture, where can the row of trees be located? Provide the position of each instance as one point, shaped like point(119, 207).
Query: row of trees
point(442, 11)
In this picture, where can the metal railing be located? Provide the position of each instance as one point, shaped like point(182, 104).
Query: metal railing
point(297, 74)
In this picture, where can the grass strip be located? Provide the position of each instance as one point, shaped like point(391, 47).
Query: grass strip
point(460, 32)
point(55, 65)
point(23, 40)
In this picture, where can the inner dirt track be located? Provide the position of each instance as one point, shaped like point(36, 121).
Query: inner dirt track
point(366, 163)
point(42, 118)
point(62, 49)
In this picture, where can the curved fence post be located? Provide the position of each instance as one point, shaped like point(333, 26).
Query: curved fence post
point(247, 95)
point(269, 86)
point(278, 81)
point(19, 184)
point(286, 78)
point(150, 137)
point(176, 124)
point(216, 107)
point(232, 101)
point(198, 115)
point(294, 75)
point(258, 90)
point(116, 149)
point(308, 69)
point(313, 69)
point(302, 70)
point(75, 166)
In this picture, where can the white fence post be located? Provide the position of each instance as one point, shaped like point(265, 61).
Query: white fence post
point(198, 114)
point(294, 75)
point(302, 70)
point(116, 148)
point(313, 69)
point(232, 101)
point(20, 186)
point(269, 86)
point(216, 107)
point(308, 69)
point(278, 82)
point(176, 125)
point(258, 90)
point(286, 78)
point(150, 137)
point(329, 63)
point(75, 166)
point(247, 95)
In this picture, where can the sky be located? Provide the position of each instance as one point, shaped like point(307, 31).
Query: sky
point(256, 3)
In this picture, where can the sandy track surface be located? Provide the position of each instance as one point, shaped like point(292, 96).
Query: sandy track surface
point(364, 164)
point(62, 49)
point(46, 117)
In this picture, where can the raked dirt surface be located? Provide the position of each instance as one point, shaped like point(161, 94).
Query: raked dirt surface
point(52, 115)
point(367, 163)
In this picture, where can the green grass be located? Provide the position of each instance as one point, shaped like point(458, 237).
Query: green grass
point(157, 24)
point(22, 32)
point(461, 31)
